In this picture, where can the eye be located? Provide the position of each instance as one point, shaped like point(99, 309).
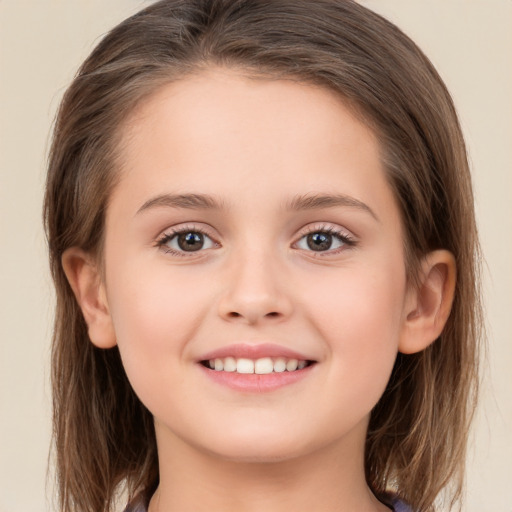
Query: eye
point(185, 240)
point(324, 240)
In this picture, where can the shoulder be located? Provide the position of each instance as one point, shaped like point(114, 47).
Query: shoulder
point(137, 505)
point(400, 506)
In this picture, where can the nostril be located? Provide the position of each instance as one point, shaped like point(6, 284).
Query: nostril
point(272, 314)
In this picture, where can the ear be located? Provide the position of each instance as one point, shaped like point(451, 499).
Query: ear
point(428, 306)
point(85, 280)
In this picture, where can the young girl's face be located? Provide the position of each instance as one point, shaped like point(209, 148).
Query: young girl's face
point(253, 220)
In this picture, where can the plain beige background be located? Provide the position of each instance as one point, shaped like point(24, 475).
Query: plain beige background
point(42, 43)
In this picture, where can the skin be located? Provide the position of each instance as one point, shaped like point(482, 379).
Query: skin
point(254, 146)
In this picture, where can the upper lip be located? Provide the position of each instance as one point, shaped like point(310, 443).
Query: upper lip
point(254, 351)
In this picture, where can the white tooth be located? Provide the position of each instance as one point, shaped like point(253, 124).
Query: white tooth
point(211, 362)
point(245, 365)
point(302, 364)
point(291, 365)
point(280, 365)
point(264, 365)
point(219, 366)
point(230, 364)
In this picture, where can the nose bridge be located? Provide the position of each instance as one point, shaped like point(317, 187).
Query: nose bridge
point(255, 288)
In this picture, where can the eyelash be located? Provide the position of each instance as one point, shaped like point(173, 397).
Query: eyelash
point(162, 242)
point(341, 235)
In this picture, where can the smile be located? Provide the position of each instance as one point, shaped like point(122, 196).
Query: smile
point(255, 369)
point(261, 366)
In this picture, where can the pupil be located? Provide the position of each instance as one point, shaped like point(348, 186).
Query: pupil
point(319, 241)
point(190, 241)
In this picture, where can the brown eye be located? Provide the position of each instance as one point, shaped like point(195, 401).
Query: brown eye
point(328, 240)
point(191, 241)
point(319, 241)
point(185, 241)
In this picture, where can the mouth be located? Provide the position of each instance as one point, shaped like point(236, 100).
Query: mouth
point(257, 368)
point(260, 366)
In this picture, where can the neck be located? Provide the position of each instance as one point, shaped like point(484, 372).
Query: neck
point(330, 479)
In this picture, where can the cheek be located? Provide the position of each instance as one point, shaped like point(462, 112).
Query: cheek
point(361, 302)
point(155, 314)
point(359, 314)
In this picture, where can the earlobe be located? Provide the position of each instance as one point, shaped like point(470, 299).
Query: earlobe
point(85, 280)
point(428, 306)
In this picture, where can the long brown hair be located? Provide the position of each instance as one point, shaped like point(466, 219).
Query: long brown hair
point(104, 436)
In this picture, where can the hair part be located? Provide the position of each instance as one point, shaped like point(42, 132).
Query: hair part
point(104, 436)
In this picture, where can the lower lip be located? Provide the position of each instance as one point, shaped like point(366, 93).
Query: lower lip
point(256, 383)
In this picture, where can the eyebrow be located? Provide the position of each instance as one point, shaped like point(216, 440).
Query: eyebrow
point(319, 201)
point(189, 201)
point(297, 203)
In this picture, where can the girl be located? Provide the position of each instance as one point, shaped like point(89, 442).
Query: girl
point(262, 236)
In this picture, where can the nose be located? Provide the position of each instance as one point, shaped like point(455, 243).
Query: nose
point(256, 291)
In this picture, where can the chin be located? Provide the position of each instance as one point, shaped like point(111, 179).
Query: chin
point(257, 455)
point(261, 447)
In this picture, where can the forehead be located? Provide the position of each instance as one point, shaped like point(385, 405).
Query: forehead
point(225, 133)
